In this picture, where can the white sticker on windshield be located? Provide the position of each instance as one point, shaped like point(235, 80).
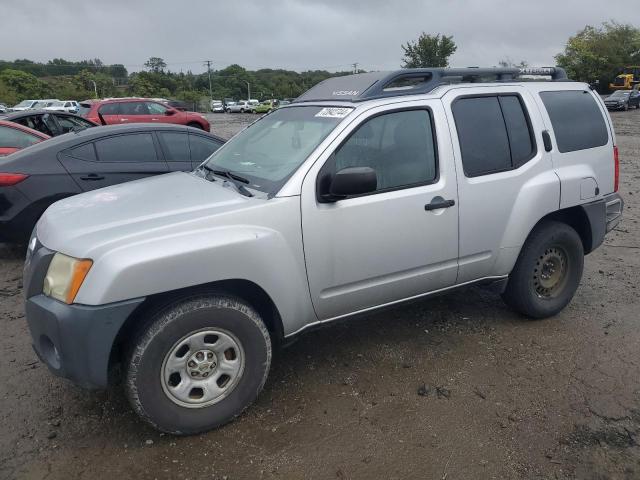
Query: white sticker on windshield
point(333, 112)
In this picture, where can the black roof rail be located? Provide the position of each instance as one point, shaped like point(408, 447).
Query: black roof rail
point(414, 81)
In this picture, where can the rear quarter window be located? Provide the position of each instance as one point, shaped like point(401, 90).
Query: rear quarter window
point(577, 121)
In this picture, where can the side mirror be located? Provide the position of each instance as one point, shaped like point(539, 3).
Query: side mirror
point(170, 111)
point(352, 181)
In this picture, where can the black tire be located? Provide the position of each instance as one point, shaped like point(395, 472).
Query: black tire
point(145, 388)
point(195, 125)
point(526, 292)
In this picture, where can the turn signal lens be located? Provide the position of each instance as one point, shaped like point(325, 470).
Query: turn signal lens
point(9, 179)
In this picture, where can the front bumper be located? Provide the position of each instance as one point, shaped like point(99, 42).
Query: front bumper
point(74, 341)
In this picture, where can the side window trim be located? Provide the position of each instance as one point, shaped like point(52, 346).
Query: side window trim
point(330, 161)
point(532, 136)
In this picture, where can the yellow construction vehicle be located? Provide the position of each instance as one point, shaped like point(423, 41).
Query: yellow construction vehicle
point(626, 79)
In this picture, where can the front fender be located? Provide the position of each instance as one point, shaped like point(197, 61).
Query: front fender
point(269, 257)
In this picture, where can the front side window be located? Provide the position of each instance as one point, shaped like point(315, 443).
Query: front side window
point(156, 109)
point(14, 138)
point(494, 133)
point(577, 121)
point(399, 146)
point(137, 148)
point(270, 150)
point(202, 147)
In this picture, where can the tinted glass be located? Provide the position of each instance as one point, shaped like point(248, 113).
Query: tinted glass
point(138, 147)
point(134, 108)
point(69, 123)
point(175, 146)
point(156, 108)
point(576, 119)
point(520, 137)
point(202, 147)
point(84, 109)
point(482, 134)
point(12, 137)
point(399, 146)
point(110, 109)
point(38, 122)
point(84, 152)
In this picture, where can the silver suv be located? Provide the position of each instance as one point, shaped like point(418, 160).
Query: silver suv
point(367, 191)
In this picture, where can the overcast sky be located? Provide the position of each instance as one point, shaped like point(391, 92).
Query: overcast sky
point(295, 34)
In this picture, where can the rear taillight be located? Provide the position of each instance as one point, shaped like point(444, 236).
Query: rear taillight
point(8, 179)
point(616, 169)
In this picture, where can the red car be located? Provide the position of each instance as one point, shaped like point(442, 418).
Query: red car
point(14, 136)
point(116, 111)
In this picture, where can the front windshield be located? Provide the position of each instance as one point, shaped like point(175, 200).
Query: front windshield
point(24, 103)
point(270, 150)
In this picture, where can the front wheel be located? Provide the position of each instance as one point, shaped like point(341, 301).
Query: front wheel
point(195, 125)
point(198, 365)
point(547, 272)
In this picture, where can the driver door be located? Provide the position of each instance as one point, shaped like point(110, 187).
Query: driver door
point(388, 245)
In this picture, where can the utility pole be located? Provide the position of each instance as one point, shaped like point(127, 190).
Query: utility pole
point(355, 67)
point(208, 63)
point(95, 87)
point(248, 90)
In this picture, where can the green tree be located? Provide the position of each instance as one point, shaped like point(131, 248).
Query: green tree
point(24, 84)
point(600, 53)
point(155, 64)
point(429, 51)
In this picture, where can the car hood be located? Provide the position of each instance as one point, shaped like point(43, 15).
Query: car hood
point(137, 210)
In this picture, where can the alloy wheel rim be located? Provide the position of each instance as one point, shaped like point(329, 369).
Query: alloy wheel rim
point(202, 368)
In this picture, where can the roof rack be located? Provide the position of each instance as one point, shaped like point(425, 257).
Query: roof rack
point(414, 81)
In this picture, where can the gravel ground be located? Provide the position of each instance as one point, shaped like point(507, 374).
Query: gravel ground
point(452, 387)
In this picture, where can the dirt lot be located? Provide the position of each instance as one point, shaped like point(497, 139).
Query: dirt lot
point(453, 387)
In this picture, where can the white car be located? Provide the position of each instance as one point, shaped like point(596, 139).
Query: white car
point(243, 106)
point(217, 106)
point(70, 106)
point(24, 105)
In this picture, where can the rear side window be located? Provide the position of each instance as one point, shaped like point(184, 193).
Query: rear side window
point(494, 133)
point(110, 109)
point(175, 145)
point(577, 121)
point(202, 148)
point(137, 148)
point(84, 152)
point(134, 108)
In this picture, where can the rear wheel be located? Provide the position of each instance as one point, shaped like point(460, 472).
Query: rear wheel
point(198, 365)
point(547, 272)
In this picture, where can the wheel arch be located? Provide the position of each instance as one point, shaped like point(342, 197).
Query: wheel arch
point(243, 289)
point(584, 220)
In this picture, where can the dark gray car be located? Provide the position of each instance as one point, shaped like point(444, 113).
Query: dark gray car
point(36, 177)
point(49, 122)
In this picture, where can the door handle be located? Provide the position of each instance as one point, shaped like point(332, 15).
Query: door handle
point(438, 203)
point(124, 119)
point(92, 176)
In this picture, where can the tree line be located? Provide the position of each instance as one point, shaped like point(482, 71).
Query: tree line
point(594, 55)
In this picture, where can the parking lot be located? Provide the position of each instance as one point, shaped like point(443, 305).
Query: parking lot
point(456, 386)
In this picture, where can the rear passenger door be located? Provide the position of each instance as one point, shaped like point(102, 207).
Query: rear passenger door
point(109, 113)
point(506, 181)
point(112, 160)
point(134, 112)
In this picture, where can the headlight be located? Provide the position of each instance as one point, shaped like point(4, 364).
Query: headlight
point(64, 277)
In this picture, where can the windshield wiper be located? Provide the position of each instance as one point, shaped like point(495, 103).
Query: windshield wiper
point(237, 180)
